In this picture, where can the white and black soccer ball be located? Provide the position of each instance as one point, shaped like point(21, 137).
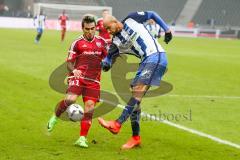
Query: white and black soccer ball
point(75, 112)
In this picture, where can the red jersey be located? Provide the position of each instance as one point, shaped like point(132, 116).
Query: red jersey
point(87, 56)
point(102, 31)
point(63, 20)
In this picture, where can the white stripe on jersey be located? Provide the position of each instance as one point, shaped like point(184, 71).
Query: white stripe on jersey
point(73, 45)
point(136, 39)
point(153, 28)
point(39, 21)
point(99, 37)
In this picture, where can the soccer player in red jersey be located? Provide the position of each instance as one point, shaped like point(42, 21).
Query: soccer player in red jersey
point(63, 18)
point(101, 29)
point(84, 65)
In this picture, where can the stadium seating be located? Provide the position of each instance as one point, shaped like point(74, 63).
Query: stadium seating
point(78, 2)
point(210, 13)
point(73, 15)
point(218, 12)
point(167, 9)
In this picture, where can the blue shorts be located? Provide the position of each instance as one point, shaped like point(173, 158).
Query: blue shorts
point(151, 70)
point(39, 30)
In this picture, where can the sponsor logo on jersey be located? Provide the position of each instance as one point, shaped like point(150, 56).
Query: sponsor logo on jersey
point(98, 44)
point(92, 52)
point(146, 74)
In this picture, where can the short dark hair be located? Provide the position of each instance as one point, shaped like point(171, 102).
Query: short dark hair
point(88, 19)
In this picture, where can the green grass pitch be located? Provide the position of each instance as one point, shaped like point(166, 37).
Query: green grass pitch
point(205, 78)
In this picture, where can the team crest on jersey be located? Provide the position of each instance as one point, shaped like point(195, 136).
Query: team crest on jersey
point(98, 44)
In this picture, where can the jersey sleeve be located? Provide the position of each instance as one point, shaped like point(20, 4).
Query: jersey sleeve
point(159, 30)
point(113, 51)
point(72, 52)
point(142, 17)
point(105, 50)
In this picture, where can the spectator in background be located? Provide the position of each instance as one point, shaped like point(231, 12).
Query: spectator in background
point(3, 8)
point(39, 23)
point(153, 28)
point(29, 11)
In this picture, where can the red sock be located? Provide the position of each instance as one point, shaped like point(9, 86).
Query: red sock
point(63, 35)
point(61, 107)
point(86, 124)
point(136, 138)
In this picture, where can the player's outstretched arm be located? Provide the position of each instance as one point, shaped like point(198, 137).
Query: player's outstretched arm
point(153, 15)
point(168, 34)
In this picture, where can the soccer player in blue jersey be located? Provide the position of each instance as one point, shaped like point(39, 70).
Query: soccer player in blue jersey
point(130, 36)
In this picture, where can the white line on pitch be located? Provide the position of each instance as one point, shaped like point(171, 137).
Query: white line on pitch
point(216, 139)
point(190, 96)
point(202, 96)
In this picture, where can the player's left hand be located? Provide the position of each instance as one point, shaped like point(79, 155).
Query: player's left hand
point(106, 64)
point(77, 73)
point(168, 37)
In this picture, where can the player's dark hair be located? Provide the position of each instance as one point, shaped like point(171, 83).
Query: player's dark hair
point(88, 19)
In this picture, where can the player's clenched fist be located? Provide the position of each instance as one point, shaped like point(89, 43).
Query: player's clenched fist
point(168, 37)
point(77, 73)
point(106, 64)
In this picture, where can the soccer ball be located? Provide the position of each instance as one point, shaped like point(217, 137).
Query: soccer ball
point(75, 112)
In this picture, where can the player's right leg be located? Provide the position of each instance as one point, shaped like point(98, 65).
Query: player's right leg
point(63, 33)
point(73, 91)
point(91, 94)
point(61, 107)
point(82, 142)
point(135, 140)
point(39, 34)
point(86, 122)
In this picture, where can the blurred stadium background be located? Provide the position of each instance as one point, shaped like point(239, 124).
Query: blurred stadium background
point(194, 18)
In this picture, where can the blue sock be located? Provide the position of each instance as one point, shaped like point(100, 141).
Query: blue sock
point(135, 122)
point(128, 110)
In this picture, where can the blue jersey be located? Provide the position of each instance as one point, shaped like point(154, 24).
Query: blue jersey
point(135, 39)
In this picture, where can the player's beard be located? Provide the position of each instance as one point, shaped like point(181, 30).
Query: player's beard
point(89, 36)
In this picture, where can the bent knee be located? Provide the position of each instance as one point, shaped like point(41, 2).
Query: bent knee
point(89, 104)
point(70, 99)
